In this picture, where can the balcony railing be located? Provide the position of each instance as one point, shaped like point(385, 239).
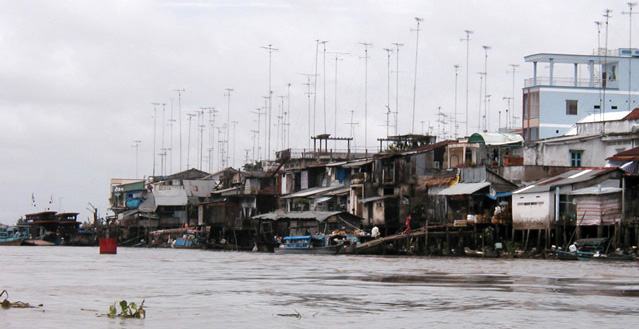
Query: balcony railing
point(562, 82)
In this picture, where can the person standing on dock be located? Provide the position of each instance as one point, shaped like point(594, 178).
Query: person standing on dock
point(407, 230)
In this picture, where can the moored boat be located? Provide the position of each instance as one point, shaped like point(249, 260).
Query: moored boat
point(308, 244)
point(13, 235)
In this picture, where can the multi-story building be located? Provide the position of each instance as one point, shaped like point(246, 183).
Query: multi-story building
point(576, 86)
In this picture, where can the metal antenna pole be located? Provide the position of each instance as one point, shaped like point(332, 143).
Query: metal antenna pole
point(468, 33)
point(388, 53)
point(481, 84)
point(234, 144)
point(308, 94)
point(155, 110)
point(171, 123)
point(163, 124)
point(317, 42)
point(324, 89)
point(509, 123)
point(352, 124)
point(228, 117)
point(288, 117)
point(603, 109)
point(137, 146)
point(180, 91)
point(418, 20)
point(397, 45)
point(455, 116)
point(270, 50)
point(337, 58)
point(630, 13)
point(486, 48)
point(188, 145)
point(366, 45)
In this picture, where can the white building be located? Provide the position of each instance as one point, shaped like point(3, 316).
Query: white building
point(588, 143)
point(576, 86)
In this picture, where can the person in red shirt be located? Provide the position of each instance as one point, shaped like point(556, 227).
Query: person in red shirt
point(407, 230)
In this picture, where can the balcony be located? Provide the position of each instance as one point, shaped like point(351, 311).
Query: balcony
point(563, 82)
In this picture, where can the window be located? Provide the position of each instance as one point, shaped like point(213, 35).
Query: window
point(575, 158)
point(571, 107)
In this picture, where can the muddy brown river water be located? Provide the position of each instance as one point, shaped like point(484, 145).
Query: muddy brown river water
point(212, 289)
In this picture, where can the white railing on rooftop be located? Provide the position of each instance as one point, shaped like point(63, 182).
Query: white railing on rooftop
point(562, 82)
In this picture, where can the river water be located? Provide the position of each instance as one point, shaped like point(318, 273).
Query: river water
point(212, 289)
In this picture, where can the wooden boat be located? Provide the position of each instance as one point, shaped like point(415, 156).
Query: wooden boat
point(590, 249)
point(13, 235)
point(307, 244)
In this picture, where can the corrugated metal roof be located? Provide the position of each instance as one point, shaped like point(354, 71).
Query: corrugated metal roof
point(312, 191)
point(567, 178)
point(319, 215)
point(171, 197)
point(356, 164)
point(595, 190)
point(464, 188)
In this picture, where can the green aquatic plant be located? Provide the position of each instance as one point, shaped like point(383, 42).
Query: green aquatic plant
point(128, 310)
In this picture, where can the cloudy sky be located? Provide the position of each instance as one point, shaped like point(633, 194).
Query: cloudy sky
point(78, 80)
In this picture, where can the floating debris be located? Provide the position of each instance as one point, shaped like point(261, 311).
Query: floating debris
point(128, 310)
point(292, 315)
point(7, 304)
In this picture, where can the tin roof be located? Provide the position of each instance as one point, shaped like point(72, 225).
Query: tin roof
point(567, 178)
point(464, 188)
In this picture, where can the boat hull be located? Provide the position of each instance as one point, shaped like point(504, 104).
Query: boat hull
point(329, 250)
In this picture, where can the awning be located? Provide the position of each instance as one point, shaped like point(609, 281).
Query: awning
point(312, 191)
point(376, 198)
point(497, 195)
point(357, 164)
point(464, 188)
point(322, 199)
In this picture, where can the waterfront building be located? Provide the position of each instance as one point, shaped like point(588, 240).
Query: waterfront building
point(607, 81)
point(588, 143)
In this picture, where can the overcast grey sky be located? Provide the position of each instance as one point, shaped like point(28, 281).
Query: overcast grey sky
point(78, 78)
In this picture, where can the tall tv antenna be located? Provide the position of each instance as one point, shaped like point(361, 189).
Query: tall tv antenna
point(180, 91)
point(468, 33)
point(397, 45)
point(630, 13)
point(155, 115)
point(418, 20)
point(270, 50)
point(366, 45)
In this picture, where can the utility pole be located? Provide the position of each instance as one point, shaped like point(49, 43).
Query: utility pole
point(180, 91)
point(418, 20)
point(366, 45)
point(270, 50)
point(397, 45)
point(468, 33)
